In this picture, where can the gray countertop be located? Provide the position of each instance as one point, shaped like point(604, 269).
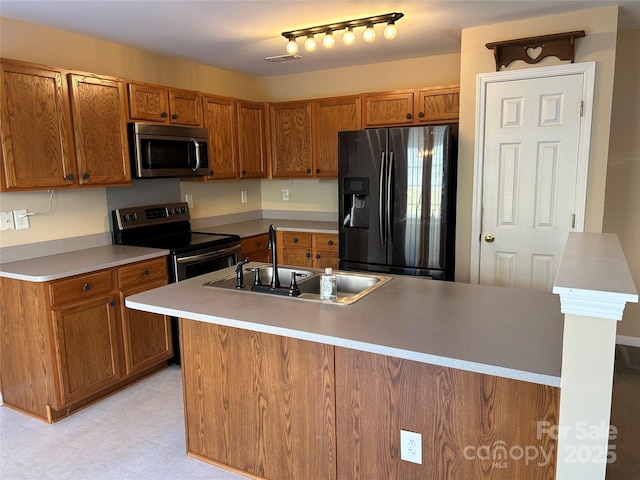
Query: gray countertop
point(53, 267)
point(510, 333)
point(256, 227)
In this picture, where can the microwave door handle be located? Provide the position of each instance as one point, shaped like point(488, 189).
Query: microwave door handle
point(197, 146)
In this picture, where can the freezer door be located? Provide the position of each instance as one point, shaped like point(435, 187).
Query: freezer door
point(362, 156)
point(417, 204)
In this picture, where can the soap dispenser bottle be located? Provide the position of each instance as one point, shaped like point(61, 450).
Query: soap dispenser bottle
point(328, 285)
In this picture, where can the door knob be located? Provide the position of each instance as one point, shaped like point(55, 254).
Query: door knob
point(489, 238)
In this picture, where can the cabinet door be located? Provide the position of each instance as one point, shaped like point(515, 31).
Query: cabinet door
point(291, 139)
point(98, 106)
point(255, 248)
point(148, 102)
point(388, 109)
point(147, 336)
point(86, 344)
point(220, 120)
point(185, 107)
point(330, 117)
point(326, 251)
point(438, 105)
point(37, 142)
point(251, 139)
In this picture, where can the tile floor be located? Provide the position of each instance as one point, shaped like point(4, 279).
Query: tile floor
point(136, 434)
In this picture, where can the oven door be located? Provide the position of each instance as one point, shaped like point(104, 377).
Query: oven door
point(192, 264)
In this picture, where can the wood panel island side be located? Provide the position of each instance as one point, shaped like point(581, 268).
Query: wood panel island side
point(285, 388)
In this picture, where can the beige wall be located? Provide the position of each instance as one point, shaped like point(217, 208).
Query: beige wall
point(599, 45)
point(622, 199)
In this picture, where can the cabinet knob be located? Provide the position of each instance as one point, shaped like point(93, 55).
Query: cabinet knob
point(112, 303)
point(85, 176)
point(330, 242)
point(174, 116)
point(317, 170)
point(163, 115)
point(308, 171)
point(421, 114)
point(86, 287)
point(408, 116)
point(244, 172)
point(318, 256)
point(295, 240)
point(211, 172)
point(69, 176)
point(145, 272)
point(258, 244)
point(308, 255)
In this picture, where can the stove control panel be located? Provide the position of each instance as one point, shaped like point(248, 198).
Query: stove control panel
point(135, 217)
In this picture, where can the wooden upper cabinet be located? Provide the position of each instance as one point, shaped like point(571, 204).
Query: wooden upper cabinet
point(36, 131)
point(155, 103)
point(252, 150)
point(438, 104)
point(431, 105)
point(388, 108)
point(290, 125)
point(98, 106)
point(331, 116)
point(220, 121)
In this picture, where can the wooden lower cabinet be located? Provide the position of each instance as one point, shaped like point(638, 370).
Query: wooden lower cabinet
point(276, 407)
point(307, 249)
point(259, 403)
point(256, 248)
point(68, 342)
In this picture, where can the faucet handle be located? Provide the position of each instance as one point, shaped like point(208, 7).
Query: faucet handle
point(294, 291)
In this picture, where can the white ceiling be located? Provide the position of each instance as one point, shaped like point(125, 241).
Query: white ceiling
point(237, 35)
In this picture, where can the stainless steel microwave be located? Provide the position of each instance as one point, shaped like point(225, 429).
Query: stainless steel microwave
point(168, 151)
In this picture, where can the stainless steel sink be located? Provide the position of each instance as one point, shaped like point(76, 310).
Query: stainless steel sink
point(351, 286)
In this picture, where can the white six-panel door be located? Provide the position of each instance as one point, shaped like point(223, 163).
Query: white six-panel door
point(533, 178)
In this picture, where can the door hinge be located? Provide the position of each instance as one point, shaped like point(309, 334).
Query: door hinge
point(573, 220)
point(581, 108)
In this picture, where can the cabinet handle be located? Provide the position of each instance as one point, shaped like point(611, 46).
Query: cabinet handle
point(163, 115)
point(145, 272)
point(86, 287)
point(408, 116)
point(211, 172)
point(308, 255)
point(244, 172)
point(69, 176)
point(295, 240)
point(421, 114)
point(112, 303)
point(174, 116)
point(318, 256)
point(330, 242)
point(85, 176)
point(308, 170)
point(317, 170)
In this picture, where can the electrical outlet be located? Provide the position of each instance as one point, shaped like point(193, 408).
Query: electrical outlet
point(189, 200)
point(6, 221)
point(411, 446)
point(243, 196)
point(285, 194)
point(21, 219)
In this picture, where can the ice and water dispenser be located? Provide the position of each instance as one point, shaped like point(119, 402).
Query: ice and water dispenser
point(356, 202)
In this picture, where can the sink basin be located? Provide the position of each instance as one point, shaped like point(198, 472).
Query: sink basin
point(351, 286)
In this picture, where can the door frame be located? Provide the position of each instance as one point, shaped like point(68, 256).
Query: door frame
point(588, 71)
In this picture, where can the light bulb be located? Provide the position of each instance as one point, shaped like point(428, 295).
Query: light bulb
point(369, 34)
point(328, 41)
point(349, 37)
point(292, 46)
point(310, 43)
point(390, 31)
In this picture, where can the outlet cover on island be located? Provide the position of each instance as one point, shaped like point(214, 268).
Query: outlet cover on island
point(189, 199)
point(285, 194)
point(410, 446)
point(243, 196)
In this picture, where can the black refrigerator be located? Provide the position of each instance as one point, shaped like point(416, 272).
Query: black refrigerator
point(397, 200)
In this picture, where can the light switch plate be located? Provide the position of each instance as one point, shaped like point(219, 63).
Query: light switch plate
point(20, 219)
point(189, 199)
point(6, 221)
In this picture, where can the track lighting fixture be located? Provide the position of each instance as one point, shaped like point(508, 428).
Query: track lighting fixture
point(349, 36)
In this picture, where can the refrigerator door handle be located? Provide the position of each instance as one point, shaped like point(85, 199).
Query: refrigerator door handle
point(381, 200)
point(389, 212)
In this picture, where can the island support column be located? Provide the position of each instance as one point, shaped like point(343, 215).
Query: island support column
point(594, 284)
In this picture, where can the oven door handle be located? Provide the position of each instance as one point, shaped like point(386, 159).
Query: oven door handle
point(208, 255)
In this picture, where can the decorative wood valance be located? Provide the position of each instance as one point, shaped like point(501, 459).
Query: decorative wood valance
point(534, 49)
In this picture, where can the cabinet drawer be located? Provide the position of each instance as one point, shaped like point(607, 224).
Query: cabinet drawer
point(296, 239)
point(77, 288)
point(251, 244)
point(136, 273)
point(327, 242)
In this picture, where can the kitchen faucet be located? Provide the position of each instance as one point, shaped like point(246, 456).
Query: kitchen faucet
point(275, 281)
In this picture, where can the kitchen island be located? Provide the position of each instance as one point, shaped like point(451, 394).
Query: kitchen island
point(288, 388)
